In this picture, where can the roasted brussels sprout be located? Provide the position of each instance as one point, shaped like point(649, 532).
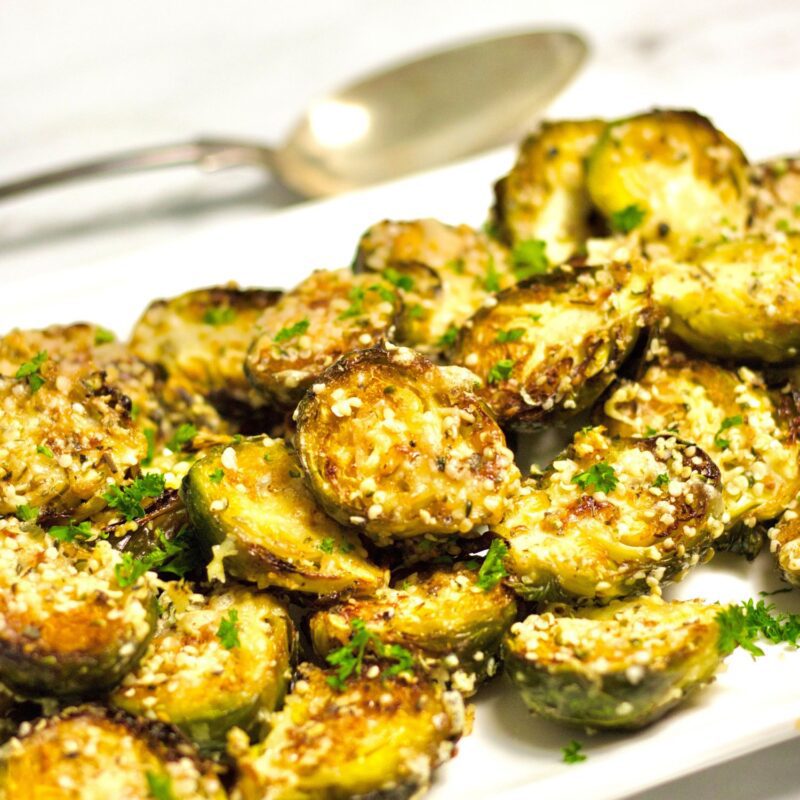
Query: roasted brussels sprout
point(379, 737)
point(248, 501)
point(200, 338)
point(671, 175)
point(775, 196)
point(737, 299)
point(550, 347)
point(325, 316)
point(215, 661)
point(730, 415)
point(63, 435)
point(444, 617)
point(90, 753)
point(612, 518)
point(399, 447)
point(544, 196)
point(67, 625)
point(621, 666)
point(784, 540)
point(443, 274)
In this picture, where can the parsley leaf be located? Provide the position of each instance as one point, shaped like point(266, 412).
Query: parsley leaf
point(492, 570)
point(128, 500)
point(219, 315)
point(492, 282)
point(150, 435)
point(356, 296)
point(159, 786)
point(130, 569)
point(326, 545)
point(628, 218)
point(182, 436)
point(599, 477)
point(292, 332)
point(68, 533)
point(228, 631)
point(511, 335)
point(44, 450)
point(404, 282)
point(103, 335)
point(661, 480)
point(743, 624)
point(216, 475)
point(573, 753)
point(384, 293)
point(449, 337)
point(26, 513)
point(729, 422)
point(31, 371)
point(500, 371)
point(529, 258)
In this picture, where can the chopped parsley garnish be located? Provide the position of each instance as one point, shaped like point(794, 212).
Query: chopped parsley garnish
point(628, 218)
point(31, 371)
point(150, 435)
point(416, 311)
point(44, 450)
point(743, 624)
point(216, 475)
point(128, 500)
point(500, 371)
point(384, 292)
point(326, 545)
point(573, 753)
point(71, 532)
point(729, 422)
point(221, 315)
point(449, 337)
point(159, 786)
point(103, 335)
point(492, 570)
point(404, 282)
point(267, 457)
point(130, 569)
point(26, 513)
point(600, 477)
point(349, 658)
point(511, 335)
point(529, 258)
point(292, 332)
point(182, 436)
point(661, 480)
point(228, 631)
point(356, 297)
point(492, 282)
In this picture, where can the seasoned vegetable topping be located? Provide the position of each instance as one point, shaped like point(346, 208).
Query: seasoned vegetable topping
point(775, 196)
point(785, 543)
point(396, 446)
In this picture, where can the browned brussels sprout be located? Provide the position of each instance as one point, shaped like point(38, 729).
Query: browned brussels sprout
point(399, 447)
point(785, 543)
point(377, 737)
point(622, 666)
point(612, 518)
point(248, 501)
point(548, 348)
point(325, 316)
point(775, 196)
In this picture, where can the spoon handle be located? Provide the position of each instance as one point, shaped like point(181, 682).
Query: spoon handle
point(208, 154)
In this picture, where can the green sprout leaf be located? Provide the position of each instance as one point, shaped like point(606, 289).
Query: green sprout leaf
point(492, 570)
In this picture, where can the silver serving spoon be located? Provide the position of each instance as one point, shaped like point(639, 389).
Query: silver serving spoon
point(407, 118)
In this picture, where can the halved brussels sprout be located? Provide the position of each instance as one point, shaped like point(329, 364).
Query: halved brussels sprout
point(622, 666)
point(785, 543)
point(399, 447)
point(443, 274)
point(737, 299)
point(91, 753)
point(444, 617)
point(671, 175)
point(775, 196)
point(200, 338)
point(215, 661)
point(612, 518)
point(325, 316)
point(544, 196)
point(67, 625)
point(63, 435)
point(380, 737)
point(550, 347)
point(248, 501)
point(732, 416)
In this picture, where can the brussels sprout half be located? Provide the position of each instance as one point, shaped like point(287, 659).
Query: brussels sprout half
point(548, 348)
point(612, 518)
point(671, 175)
point(785, 543)
point(328, 314)
point(622, 666)
point(67, 626)
point(737, 299)
point(544, 196)
point(399, 447)
point(380, 738)
point(215, 661)
point(730, 415)
point(248, 501)
point(92, 753)
point(442, 272)
point(451, 624)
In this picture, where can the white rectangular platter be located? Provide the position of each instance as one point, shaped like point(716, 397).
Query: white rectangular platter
point(510, 755)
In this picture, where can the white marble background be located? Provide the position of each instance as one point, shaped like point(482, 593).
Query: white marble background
point(83, 78)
